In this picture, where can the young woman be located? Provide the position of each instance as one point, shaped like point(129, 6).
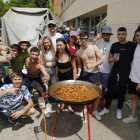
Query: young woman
point(72, 45)
point(47, 57)
point(65, 65)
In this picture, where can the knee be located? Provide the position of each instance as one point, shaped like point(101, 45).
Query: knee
point(32, 111)
point(134, 97)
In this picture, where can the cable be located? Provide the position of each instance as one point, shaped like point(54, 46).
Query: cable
point(44, 123)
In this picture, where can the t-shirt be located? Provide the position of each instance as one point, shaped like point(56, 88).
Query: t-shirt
point(66, 36)
point(10, 101)
point(126, 56)
point(53, 38)
point(19, 61)
point(135, 70)
point(104, 48)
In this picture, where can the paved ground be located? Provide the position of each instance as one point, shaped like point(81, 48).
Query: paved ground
point(71, 127)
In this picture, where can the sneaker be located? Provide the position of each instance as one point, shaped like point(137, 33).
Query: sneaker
point(128, 103)
point(47, 112)
point(129, 119)
point(15, 122)
point(96, 115)
point(104, 111)
point(85, 112)
point(119, 114)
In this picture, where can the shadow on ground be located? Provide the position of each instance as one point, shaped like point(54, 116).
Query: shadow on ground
point(68, 124)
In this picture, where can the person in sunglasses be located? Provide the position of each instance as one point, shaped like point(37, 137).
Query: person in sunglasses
point(104, 46)
point(18, 62)
point(89, 54)
point(53, 35)
point(72, 45)
point(65, 65)
point(4, 67)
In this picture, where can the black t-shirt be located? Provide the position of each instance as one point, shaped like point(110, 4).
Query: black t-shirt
point(126, 56)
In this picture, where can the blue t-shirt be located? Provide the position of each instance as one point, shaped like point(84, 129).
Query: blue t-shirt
point(66, 36)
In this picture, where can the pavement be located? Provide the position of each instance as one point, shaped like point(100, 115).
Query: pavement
point(72, 127)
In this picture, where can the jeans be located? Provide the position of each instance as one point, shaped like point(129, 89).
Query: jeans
point(122, 83)
point(52, 80)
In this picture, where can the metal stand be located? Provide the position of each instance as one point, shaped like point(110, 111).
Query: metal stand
point(83, 119)
point(56, 120)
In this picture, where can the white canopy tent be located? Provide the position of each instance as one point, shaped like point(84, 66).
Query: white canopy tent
point(28, 23)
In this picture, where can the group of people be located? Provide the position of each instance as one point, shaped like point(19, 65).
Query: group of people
point(70, 57)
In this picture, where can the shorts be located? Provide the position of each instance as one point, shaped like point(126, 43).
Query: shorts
point(104, 79)
point(91, 77)
point(132, 88)
point(7, 114)
point(66, 76)
point(35, 83)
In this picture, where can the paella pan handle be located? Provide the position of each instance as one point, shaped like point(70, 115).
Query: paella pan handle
point(99, 84)
point(45, 94)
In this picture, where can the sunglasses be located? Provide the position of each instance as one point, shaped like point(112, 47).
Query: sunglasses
point(86, 39)
point(60, 39)
point(14, 50)
point(52, 25)
point(73, 36)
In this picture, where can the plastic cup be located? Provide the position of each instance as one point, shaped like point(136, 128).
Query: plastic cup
point(100, 38)
point(117, 55)
point(6, 68)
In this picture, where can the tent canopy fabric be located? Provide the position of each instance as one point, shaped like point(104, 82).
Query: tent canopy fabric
point(28, 23)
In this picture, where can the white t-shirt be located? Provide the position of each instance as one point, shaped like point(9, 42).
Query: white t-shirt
point(135, 70)
point(104, 48)
point(53, 38)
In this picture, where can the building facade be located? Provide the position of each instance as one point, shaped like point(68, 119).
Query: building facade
point(92, 15)
point(57, 6)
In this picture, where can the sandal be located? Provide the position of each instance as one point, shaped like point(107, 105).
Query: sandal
point(57, 111)
point(71, 111)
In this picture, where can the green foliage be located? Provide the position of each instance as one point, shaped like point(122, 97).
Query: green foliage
point(4, 7)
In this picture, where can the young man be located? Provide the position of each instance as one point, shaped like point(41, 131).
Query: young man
point(134, 81)
point(34, 68)
point(12, 53)
point(18, 62)
point(53, 35)
point(11, 96)
point(104, 46)
point(89, 54)
point(66, 34)
point(121, 69)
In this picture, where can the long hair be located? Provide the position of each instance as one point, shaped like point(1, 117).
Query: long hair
point(70, 54)
point(75, 44)
point(44, 60)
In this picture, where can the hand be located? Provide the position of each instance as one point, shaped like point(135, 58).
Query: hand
point(5, 48)
point(57, 79)
point(16, 115)
point(4, 58)
point(13, 90)
point(98, 36)
point(89, 66)
point(45, 80)
point(77, 76)
point(114, 59)
point(9, 71)
point(138, 87)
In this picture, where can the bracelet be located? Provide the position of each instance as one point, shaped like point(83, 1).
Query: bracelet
point(95, 40)
point(92, 66)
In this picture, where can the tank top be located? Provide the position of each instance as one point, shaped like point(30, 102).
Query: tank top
point(50, 59)
point(65, 65)
point(72, 50)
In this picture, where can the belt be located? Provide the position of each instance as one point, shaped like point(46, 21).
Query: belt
point(50, 66)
